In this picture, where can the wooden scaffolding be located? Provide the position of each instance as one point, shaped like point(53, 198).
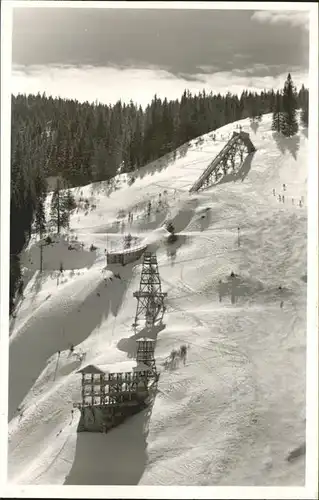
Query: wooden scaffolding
point(108, 398)
point(229, 159)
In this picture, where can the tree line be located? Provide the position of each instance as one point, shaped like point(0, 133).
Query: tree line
point(82, 143)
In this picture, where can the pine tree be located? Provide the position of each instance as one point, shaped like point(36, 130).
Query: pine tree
point(277, 115)
point(289, 126)
point(59, 211)
point(68, 201)
point(40, 222)
point(305, 114)
point(56, 209)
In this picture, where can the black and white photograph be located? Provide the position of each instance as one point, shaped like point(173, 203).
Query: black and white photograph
point(161, 228)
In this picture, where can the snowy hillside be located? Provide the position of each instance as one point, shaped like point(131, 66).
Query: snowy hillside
point(233, 413)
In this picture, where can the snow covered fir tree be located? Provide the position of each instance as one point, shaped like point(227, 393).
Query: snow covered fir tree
point(289, 126)
point(285, 109)
point(62, 205)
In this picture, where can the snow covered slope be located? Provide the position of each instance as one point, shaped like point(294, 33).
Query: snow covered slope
point(234, 411)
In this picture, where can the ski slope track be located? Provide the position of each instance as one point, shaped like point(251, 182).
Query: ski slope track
point(232, 414)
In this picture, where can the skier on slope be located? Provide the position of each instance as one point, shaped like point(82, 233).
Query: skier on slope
point(279, 197)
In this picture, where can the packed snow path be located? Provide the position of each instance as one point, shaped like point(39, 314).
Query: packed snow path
point(234, 411)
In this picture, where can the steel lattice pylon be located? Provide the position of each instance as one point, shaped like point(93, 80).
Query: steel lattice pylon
point(150, 298)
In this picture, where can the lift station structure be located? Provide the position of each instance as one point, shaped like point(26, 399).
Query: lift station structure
point(150, 298)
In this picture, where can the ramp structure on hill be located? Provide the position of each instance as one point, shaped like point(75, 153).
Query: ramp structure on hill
point(229, 158)
point(150, 298)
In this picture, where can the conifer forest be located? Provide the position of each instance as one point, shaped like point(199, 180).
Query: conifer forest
point(82, 143)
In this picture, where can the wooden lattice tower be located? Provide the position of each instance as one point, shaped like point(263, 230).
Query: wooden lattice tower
point(145, 353)
point(230, 158)
point(150, 298)
point(114, 389)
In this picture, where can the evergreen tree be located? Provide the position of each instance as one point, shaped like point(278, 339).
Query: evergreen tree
point(15, 277)
point(277, 115)
point(69, 203)
point(305, 114)
point(289, 126)
point(58, 209)
point(40, 222)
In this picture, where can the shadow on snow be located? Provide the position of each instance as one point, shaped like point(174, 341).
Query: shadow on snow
point(118, 457)
point(290, 144)
point(40, 338)
point(241, 174)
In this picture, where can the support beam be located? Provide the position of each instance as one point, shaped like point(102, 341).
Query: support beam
point(231, 156)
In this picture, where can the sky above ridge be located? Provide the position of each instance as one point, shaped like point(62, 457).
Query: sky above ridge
point(110, 54)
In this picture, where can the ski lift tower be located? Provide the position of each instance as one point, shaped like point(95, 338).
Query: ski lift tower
point(145, 353)
point(150, 298)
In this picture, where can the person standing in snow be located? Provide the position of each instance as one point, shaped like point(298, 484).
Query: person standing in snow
point(274, 192)
point(183, 353)
point(292, 201)
point(220, 290)
point(284, 187)
point(283, 198)
point(279, 197)
point(281, 302)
